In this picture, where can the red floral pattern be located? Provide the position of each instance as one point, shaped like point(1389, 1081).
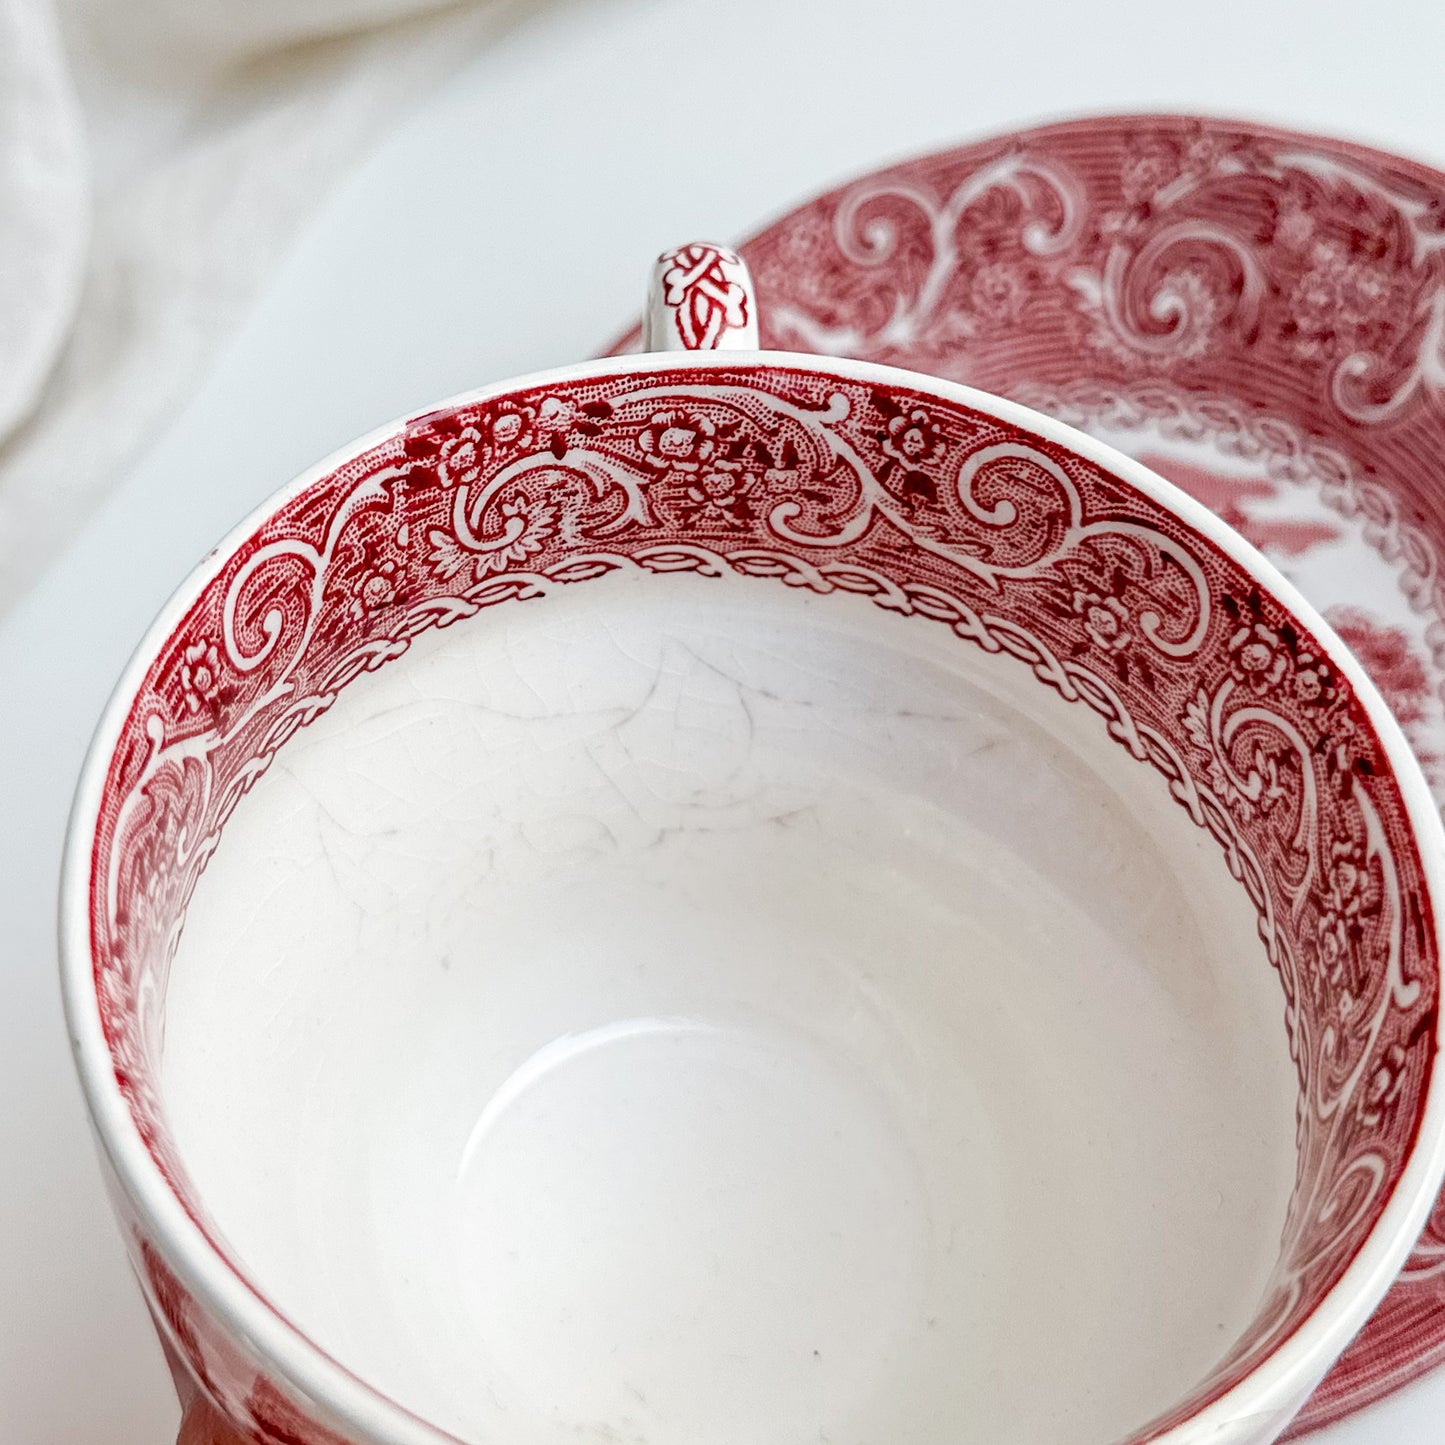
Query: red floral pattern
point(1278, 298)
point(1235, 498)
point(1017, 545)
point(1385, 652)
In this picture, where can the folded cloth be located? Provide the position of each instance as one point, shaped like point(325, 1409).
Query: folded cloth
point(44, 208)
point(155, 158)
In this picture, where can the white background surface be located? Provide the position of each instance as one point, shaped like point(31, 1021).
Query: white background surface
point(505, 227)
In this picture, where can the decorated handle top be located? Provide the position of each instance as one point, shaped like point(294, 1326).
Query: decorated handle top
point(701, 299)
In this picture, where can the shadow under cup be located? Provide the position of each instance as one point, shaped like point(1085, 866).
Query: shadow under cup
point(903, 935)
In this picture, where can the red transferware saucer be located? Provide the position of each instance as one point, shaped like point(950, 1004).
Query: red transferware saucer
point(1257, 314)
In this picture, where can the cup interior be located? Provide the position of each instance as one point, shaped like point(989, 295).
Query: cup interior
point(901, 888)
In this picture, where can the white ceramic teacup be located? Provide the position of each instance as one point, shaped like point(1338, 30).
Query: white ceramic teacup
point(935, 940)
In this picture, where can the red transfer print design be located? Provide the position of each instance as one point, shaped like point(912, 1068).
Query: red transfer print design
point(1275, 297)
point(932, 510)
point(703, 298)
point(1385, 652)
point(275, 1420)
point(174, 1312)
point(1234, 499)
point(236, 1401)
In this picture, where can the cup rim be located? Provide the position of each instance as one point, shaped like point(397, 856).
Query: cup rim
point(1280, 1381)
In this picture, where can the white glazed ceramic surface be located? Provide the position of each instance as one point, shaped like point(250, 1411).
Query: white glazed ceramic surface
point(1255, 313)
point(686, 1009)
point(717, 998)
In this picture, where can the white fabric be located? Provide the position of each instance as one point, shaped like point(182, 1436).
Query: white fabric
point(44, 209)
point(153, 164)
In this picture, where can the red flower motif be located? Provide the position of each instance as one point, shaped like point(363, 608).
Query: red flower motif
point(460, 462)
point(996, 293)
point(511, 427)
point(1314, 681)
point(1339, 304)
point(1145, 170)
point(1257, 657)
point(1353, 889)
point(1105, 619)
point(722, 494)
point(678, 439)
point(912, 438)
point(375, 588)
point(1294, 226)
point(200, 676)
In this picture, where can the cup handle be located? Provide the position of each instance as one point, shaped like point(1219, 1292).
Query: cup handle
point(701, 299)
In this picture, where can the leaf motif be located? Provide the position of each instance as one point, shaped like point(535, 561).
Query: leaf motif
point(447, 556)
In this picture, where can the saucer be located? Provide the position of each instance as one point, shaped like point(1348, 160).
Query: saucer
point(1257, 314)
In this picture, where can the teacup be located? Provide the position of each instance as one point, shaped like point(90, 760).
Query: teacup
point(915, 931)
